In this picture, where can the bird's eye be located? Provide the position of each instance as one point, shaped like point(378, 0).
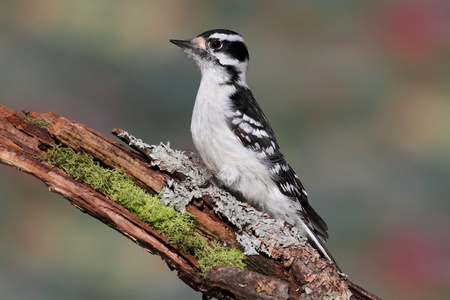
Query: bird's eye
point(215, 44)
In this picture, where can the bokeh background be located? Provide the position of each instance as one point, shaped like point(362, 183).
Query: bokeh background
point(358, 93)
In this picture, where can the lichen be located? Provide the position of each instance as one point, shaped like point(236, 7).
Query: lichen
point(177, 226)
point(172, 161)
point(257, 232)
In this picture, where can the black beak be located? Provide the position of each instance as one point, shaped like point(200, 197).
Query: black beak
point(182, 44)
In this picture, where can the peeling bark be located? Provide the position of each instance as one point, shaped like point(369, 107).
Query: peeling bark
point(294, 272)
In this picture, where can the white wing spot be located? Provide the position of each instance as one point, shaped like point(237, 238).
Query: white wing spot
point(236, 121)
point(269, 150)
point(246, 127)
point(260, 133)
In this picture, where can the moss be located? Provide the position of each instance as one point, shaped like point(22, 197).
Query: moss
point(216, 255)
point(178, 227)
point(36, 121)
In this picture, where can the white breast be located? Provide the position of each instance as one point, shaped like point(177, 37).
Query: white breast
point(215, 142)
point(237, 167)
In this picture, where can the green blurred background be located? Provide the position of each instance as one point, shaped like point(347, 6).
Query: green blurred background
point(358, 93)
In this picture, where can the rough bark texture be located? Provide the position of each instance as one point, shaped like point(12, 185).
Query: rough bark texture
point(294, 272)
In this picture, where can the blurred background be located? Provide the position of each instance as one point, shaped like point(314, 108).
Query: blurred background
point(358, 93)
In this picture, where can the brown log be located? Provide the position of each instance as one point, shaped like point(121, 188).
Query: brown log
point(292, 272)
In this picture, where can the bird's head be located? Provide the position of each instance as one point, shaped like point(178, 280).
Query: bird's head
point(218, 51)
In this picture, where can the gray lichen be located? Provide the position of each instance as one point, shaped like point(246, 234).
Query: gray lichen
point(258, 233)
point(176, 194)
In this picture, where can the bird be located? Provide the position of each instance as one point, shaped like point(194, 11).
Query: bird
point(235, 141)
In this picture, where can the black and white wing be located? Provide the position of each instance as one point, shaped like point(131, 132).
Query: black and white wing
point(252, 128)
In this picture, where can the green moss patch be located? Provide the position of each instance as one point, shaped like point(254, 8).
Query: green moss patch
point(178, 227)
point(36, 121)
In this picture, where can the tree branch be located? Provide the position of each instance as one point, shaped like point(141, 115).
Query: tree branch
point(285, 267)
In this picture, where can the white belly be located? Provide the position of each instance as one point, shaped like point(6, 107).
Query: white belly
point(235, 166)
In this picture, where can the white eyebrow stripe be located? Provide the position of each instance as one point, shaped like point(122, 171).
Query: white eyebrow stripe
point(228, 37)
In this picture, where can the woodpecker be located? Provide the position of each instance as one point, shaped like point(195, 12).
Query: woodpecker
point(235, 140)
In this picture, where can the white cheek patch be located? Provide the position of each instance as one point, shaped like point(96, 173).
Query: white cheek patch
point(225, 59)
